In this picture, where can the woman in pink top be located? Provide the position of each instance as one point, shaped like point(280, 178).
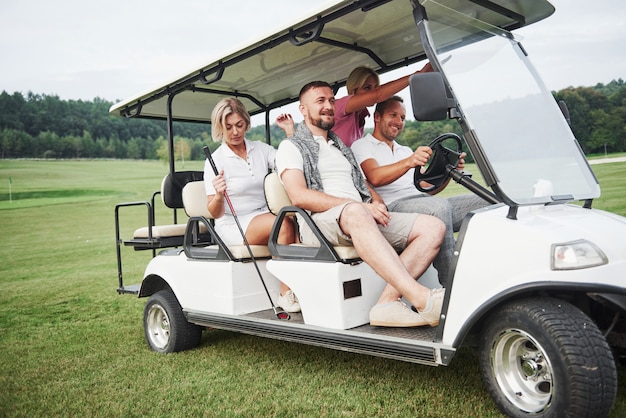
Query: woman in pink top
point(364, 90)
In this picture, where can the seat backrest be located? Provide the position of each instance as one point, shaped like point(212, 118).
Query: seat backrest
point(194, 199)
point(172, 187)
point(275, 194)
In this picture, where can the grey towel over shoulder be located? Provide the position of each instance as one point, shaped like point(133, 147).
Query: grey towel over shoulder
point(309, 148)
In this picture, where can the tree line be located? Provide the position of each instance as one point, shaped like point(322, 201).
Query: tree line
point(44, 126)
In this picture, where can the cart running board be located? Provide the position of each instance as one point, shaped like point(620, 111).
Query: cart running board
point(414, 345)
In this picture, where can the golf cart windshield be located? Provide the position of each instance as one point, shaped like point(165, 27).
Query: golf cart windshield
point(514, 127)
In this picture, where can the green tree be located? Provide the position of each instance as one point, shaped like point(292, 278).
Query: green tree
point(52, 128)
point(133, 149)
point(50, 145)
point(182, 149)
point(162, 148)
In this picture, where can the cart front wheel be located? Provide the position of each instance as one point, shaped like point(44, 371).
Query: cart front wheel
point(165, 327)
point(544, 357)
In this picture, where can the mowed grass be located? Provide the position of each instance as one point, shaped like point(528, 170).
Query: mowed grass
point(71, 346)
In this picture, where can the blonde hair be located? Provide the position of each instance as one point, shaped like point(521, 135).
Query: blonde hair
point(357, 78)
point(221, 111)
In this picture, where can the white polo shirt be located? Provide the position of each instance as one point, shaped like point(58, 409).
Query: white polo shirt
point(244, 178)
point(370, 147)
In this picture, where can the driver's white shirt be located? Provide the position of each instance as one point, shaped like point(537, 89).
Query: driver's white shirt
point(370, 147)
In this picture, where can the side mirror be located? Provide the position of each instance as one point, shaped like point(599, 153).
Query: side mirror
point(429, 97)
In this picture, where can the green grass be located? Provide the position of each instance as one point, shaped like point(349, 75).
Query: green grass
point(70, 346)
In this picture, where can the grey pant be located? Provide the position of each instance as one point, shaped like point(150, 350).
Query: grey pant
point(451, 211)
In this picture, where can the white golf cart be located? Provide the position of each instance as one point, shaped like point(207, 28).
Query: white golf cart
point(537, 282)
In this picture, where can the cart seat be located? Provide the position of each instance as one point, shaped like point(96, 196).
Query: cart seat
point(154, 236)
point(195, 203)
point(175, 232)
point(160, 231)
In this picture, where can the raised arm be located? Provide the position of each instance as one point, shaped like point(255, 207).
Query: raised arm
point(381, 93)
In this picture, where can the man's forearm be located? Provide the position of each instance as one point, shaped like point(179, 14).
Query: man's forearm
point(314, 200)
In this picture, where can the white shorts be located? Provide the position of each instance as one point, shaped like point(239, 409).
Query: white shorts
point(227, 229)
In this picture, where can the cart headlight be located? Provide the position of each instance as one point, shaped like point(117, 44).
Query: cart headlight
point(576, 255)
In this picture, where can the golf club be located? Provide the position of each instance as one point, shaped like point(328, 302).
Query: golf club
point(279, 312)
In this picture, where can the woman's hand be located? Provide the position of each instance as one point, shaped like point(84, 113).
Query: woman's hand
point(425, 69)
point(219, 183)
point(285, 122)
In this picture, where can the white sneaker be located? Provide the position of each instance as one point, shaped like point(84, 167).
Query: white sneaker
point(289, 302)
point(394, 314)
point(431, 317)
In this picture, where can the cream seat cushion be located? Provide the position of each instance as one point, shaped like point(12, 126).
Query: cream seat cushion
point(195, 201)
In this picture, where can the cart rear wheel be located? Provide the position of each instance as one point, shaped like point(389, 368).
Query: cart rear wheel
point(544, 357)
point(165, 326)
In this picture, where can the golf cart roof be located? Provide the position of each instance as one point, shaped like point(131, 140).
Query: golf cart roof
point(326, 45)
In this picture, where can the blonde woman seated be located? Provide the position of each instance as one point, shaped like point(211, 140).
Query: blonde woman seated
point(242, 166)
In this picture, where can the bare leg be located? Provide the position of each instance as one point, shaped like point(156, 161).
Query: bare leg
point(259, 228)
point(374, 249)
point(423, 245)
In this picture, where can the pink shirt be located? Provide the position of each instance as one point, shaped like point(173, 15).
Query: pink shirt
point(349, 127)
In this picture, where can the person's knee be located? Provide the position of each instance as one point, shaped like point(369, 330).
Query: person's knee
point(430, 226)
point(355, 214)
point(436, 226)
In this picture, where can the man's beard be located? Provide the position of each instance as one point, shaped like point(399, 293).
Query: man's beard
point(327, 126)
point(390, 134)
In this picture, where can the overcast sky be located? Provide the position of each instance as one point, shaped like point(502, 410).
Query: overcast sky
point(114, 49)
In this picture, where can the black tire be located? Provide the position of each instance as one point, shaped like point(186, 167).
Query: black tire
point(165, 327)
point(543, 357)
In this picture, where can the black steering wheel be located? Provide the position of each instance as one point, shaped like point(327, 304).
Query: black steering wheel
point(438, 170)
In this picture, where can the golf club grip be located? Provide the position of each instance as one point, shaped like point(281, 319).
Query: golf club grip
point(210, 157)
point(214, 167)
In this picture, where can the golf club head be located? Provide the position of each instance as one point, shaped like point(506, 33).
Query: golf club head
point(280, 314)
